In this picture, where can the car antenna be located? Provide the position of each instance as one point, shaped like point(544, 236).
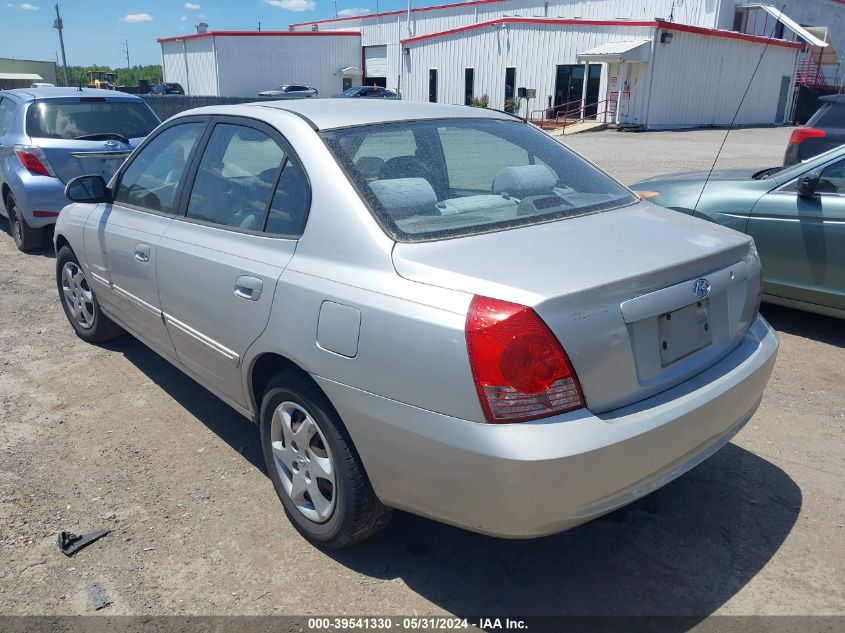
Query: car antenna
point(736, 114)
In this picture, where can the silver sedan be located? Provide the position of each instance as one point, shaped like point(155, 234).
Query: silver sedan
point(433, 308)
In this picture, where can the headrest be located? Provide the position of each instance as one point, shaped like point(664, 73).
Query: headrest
point(524, 180)
point(405, 197)
point(369, 166)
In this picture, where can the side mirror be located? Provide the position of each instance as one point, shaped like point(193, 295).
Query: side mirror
point(90, 189)
point(808, 183)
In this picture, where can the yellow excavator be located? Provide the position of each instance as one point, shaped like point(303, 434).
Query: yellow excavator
point(101, 79)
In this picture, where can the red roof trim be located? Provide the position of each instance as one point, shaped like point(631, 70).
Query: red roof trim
point(193, 36)
point(419, 9)
point(670, 26)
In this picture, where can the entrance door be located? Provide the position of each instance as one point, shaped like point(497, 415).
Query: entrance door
point(569, 87)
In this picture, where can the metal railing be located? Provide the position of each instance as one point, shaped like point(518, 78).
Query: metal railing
point(563, 115)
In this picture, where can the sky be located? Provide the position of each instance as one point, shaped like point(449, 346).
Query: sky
point(95, 30)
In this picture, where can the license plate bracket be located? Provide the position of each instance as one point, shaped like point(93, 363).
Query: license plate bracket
point(684, 331)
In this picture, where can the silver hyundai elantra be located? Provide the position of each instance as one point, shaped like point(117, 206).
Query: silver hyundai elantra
point(433, 308)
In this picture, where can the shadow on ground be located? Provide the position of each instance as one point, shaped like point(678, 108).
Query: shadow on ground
point(683, 550)
point(805, 324)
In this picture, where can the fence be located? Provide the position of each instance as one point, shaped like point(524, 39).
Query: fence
point(165, 106)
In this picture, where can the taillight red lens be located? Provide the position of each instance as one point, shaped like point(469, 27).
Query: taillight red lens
point(801, 134)
point(33, 160)
point(521, 371)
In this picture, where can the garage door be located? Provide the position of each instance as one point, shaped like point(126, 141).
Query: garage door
point(375, 58)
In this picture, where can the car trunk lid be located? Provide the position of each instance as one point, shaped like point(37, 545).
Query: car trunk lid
point(72, 158)
point(618, 289)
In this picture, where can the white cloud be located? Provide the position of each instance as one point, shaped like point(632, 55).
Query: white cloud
point(134, 18)
point(183, 18)
point(191, 6)
point(297, 6)
point(345, 13)
point(28, 7)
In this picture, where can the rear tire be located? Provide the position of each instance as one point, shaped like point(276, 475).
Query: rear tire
point(26, 239)
point(348, 510)
point(79, 301)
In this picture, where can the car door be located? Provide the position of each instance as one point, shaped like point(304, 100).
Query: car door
point(219, 261)
point(121, 238)
point(801, 240)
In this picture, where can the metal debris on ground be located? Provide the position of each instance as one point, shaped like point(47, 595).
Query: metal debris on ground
point(70, 543)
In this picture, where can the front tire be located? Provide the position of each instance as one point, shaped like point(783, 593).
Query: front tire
point(314, 467)
point(26, 239)
point(79, 301)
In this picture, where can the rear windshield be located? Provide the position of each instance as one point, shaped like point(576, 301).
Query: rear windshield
point(426, 180)
point(48, 119)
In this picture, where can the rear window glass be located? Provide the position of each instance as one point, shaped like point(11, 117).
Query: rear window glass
point(74, 120)
point(436, 179)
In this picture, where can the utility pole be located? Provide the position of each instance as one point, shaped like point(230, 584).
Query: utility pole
point(57, 24)
point(125, 50)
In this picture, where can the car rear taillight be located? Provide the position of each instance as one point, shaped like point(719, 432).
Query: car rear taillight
point(803, 133)
point(33, 159)
point(521, 371)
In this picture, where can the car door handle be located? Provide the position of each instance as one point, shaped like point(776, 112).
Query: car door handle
point(249, 288)
point(142, 252)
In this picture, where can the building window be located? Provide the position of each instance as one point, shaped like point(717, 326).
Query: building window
point(510, 83)
point(432, 85)
point(469, 85)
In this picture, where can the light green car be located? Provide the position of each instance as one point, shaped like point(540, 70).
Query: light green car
point(796, 215)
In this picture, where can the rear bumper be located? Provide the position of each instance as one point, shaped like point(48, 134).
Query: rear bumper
point(39, 198)
point(537, 478)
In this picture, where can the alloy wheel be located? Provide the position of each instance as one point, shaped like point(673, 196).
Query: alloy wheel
point(77, 295)
point(304, 461)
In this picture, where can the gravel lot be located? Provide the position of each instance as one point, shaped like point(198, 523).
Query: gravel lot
point(114, 437)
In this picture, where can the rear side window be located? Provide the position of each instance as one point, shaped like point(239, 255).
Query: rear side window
point(7, 112)
point(235, 177)
point(832, 116)
point(151, 179)
point(48, 119)
point(289, 208)
point(437, 179)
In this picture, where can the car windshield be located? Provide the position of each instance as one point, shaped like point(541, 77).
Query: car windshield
point(351, 92)
point(62, 120)
point(426, 180)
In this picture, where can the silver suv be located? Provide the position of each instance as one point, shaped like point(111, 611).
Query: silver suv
point(433, 308)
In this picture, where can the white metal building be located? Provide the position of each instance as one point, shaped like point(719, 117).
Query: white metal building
point(243, 63)
point(656, 74)
point(383, 32)
point(657, 63)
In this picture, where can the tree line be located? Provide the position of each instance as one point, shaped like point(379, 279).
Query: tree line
point(124, 76)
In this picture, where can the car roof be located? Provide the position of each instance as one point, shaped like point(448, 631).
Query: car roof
point(59, 93)
point(324, 114)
